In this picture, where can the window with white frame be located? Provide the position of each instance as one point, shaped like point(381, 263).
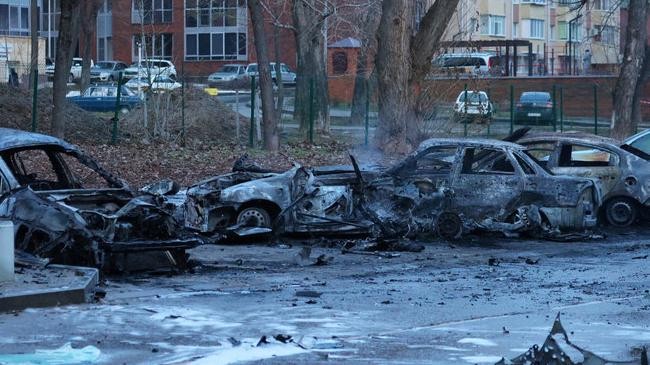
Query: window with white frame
point(606, 34)
point(493, 25)
point(216, 30)
point(151, 11)
point(157, 45)
point(14, 19)
point(536, 28)
point(602, 4)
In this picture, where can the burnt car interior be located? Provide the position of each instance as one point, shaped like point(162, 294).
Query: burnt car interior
point(572, 155)
point(486, 161)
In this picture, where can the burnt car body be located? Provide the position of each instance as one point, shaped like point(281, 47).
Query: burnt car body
point(621, 170)
point(67, 208)
point(448, 186)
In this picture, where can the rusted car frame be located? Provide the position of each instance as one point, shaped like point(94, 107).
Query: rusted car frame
point(622, 171)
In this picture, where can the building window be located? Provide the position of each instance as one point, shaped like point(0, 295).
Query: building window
point(216, 30)
point(562, 31)
point(153, 46)
point(602, 4)
point(14, 20)
point(537, 2)
point(340, 63)
point(515, 32)
point(606, 34)
point(536, 28)
point(493, 25)
point(151, 11)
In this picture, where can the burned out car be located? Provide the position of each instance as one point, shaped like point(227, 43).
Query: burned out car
point(67, 208)
point(621, 170)
point(448, 186)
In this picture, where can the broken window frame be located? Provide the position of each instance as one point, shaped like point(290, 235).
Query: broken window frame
point(613, 160)
point(468, 168)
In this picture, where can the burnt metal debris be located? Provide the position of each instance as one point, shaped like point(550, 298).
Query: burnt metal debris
point(621, 171)
point(558, 349)
point(68, 209)
point(447, 186)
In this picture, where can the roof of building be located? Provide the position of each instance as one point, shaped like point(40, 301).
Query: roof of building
point(346, 43)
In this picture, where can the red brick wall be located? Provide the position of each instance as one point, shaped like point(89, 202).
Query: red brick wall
point(341, 85)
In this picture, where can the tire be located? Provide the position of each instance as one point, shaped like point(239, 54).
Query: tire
point(449, 226)
point(621, 211)
point(70, 79)
point(254, 217)
point(124, 110)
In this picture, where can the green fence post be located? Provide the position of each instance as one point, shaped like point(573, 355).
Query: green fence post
point(183, 105)
point(367, 109)
point(116, 117)
point(595, 109)
point(490, 111)
point(561, 109)
point(512, 108)
point(251, 130)
point(35, 101)
point(554, 111)
point(465, 115)
point(311, 110)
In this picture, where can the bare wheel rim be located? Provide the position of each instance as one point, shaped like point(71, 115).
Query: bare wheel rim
point(254, 217)
point(621, 212)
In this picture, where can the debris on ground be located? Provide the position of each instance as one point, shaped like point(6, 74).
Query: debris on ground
point(308, 293)
point(558, 349)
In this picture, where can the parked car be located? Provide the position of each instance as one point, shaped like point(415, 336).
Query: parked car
point(67, 208)
point(640, 141)
point(534, 107)
point(622, 171)
point(75, 69)
point(448, 186)
point(478, 106)
point(102, 98)
point(107, 71)
point(157, 84)
point(151, 68)
point(227, 73)
point(288, 76)
point(468, 63)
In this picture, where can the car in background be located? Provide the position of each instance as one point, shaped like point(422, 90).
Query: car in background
point(468, 63)
point(151, 68)
point(288, 76)
point(640, 141)
point(75, 69)
point(621, 171)
point(471, 105)
point(157, 84)
point(107, 71)
point(102, 98)
point(534, 107)
point(227, 73)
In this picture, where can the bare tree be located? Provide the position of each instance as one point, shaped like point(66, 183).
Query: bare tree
point(402, 62)
point(367, 34)
point(66, 43)
point(623, 123)
point(33, 24)
point(269, 121)
point(309, 24)
point(89, 10)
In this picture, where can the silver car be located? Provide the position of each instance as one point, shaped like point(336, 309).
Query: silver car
point(228, 73)
point(107, 71)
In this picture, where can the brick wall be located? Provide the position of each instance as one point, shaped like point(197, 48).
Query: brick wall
point(341, 84)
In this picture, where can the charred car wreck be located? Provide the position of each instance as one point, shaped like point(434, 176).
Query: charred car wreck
point(67, 208)
point(448, 186)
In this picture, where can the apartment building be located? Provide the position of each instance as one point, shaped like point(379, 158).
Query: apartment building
point(566, 36)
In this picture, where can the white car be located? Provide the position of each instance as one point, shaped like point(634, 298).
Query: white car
point(226, 73)
point(478, 105)
point(151, 68)
point(157, 84)
point(288, 76)
point(75, 69)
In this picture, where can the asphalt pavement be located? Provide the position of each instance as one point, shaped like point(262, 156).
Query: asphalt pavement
point(470, 302)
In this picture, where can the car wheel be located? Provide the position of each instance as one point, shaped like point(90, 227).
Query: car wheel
point(449, 226)
point(254, 217)
point(110, 78)
point(70, 79)
point(621, 211)
point(124, 110)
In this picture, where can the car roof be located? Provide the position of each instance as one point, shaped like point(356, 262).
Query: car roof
point(470, 142)
point(14, 138)
point(571, 137)
point(634, 137)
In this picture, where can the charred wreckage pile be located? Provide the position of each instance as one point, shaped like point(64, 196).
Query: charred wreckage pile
point(556, 186)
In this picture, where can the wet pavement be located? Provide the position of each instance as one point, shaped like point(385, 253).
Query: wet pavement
point(471, 302)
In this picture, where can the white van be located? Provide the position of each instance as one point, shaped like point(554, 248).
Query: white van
point(468, 63)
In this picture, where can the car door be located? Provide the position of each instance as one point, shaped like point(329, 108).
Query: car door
point(487, 184)
point(590, 161)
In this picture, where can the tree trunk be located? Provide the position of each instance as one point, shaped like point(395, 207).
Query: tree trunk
point(279, 104)
point(623, 123)
point(361, 83)
point(33, 65)
point(308, 23)
point(637, 118)
point(65, 45)
point(89, 11)
point(402, 62)
point(271, 137)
